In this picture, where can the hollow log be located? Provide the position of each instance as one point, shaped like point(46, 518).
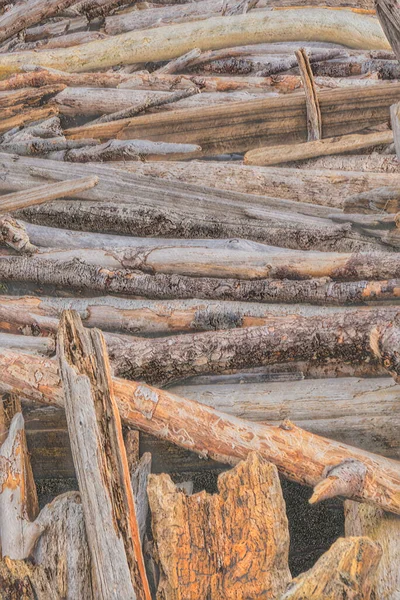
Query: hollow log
point(346, 571)
point(164, 43)
point(45, 193)
point(382, 528)
point(22, 16)
point(243, 126)
point(337, 145)
point(201, 533)
point(107, 499)
point(213, 434)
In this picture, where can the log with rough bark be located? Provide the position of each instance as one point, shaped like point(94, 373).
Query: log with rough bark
point(347, 571)
point(200, 534)
point(164, 43)
point(96, 435)
point(336, 145)
point(24, 15)
point(96, 8)
point(21, 579)
point(243, 126)
point(45, 193)
point(382, 528)
point(14, 235)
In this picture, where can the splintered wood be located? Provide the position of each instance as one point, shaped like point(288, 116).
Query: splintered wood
point(199, 300)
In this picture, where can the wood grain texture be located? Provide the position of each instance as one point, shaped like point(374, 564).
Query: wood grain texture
point(233, 544)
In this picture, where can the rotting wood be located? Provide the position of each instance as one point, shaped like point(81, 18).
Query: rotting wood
point(45, 193)
point(139, 478)
point(13, 234)
point(377, 201)
point(29, 96)
point(314, 119)
point(336, 145)
point(200, 533)
point(346, 571)
point(20, 579)
point(28, 116)
point(164, 43)
point(107, 499)
point(382, 528)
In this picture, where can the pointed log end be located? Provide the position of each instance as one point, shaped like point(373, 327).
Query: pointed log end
point(346, 479)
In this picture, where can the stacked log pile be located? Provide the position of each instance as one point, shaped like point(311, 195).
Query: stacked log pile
point(205, 304)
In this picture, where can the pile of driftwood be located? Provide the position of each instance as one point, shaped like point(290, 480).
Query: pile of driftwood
point(219, 273)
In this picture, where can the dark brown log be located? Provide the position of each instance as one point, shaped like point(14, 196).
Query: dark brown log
point(345, 572)
point(96, 435)
point(200, 534)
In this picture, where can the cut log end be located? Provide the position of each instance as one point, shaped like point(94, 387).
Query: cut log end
point(346, 479)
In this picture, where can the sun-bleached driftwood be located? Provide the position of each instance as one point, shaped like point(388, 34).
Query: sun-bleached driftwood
point(259, 519)
point(37, 145)
point(14, 235)
point(243, 126)
point(22, 16)
point(29, 96)
point(275, 263)
point(126, 150)
point(107, 499)
point(389, 16)
point(335, 145)
point(147, 104)
point(168, 42)
point(347, 570)
point(63, 41)
point(371, 164)
point(27, 116)
point(314, 120)
point(394, 119)
point(47, 128)
point(18, 499)
point(30, 581)
point(96, 8)
point(139, 479)
point(58, 28)
point(382, 528)
point(62, 549)
point(382, 200)
point(228, 439)
point(45, 193)
point(179, 64)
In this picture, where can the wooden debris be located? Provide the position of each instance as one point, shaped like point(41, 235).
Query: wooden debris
point(236, 541)
point(394, 118)
point(107, 500)
point(314, 120)
point(13, 235)
point(346, 571)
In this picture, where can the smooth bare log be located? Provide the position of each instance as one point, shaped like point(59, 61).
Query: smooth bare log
point(314, 119)
point(258, 519)
point(107, 499)
point(45, 193)
point(295, 152)
point(165, 43)
point(346, 571)
point(389, 16)
point(31, 146)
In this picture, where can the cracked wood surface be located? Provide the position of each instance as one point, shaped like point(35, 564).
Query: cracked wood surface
point(233, 544)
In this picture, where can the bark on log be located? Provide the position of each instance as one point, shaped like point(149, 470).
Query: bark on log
point(346, 571)
point(214, 434)
point(45, 193)
point(243, 125)
point(13, 235)
point(23, 15)
point(62, 549)
point(382, 528)
point(107, 498)
point(201, 533)
point(164, 43)
point(97, 8)
point(336, 145)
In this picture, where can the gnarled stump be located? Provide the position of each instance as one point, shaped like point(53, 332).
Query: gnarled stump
point(230, 545)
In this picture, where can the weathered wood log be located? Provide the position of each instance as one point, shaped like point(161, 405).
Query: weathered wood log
point(147, 104)
point(97, 8)
point(27, 116)
point(127, 150)
point(58, 28)
point(62, 549)
point(18, 499)
point(379, 200)
point(187, 221)
point(389, 16)
point(63, 41)
point(177, 65)
point(200, 534)
point(314, 120)
point(243, 126)
point(49, 128)
point(336, 145)
point(45, 193)
point(139, 478)
point(364, 163)
point(394, 119)
point(229, 439)
point(22, 16)
point(37, 145)
point(346, 571)
point(107, 499)
point(382, 528)
point(21, 579)
point(29, 96)
point(172, 41)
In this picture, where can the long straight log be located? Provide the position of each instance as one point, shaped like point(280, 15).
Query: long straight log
point(95, 430)
point(243, 126)
point(163, 43)
point(299, 455)
point(29, 96)
point(337, 145)
point(45, 193)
